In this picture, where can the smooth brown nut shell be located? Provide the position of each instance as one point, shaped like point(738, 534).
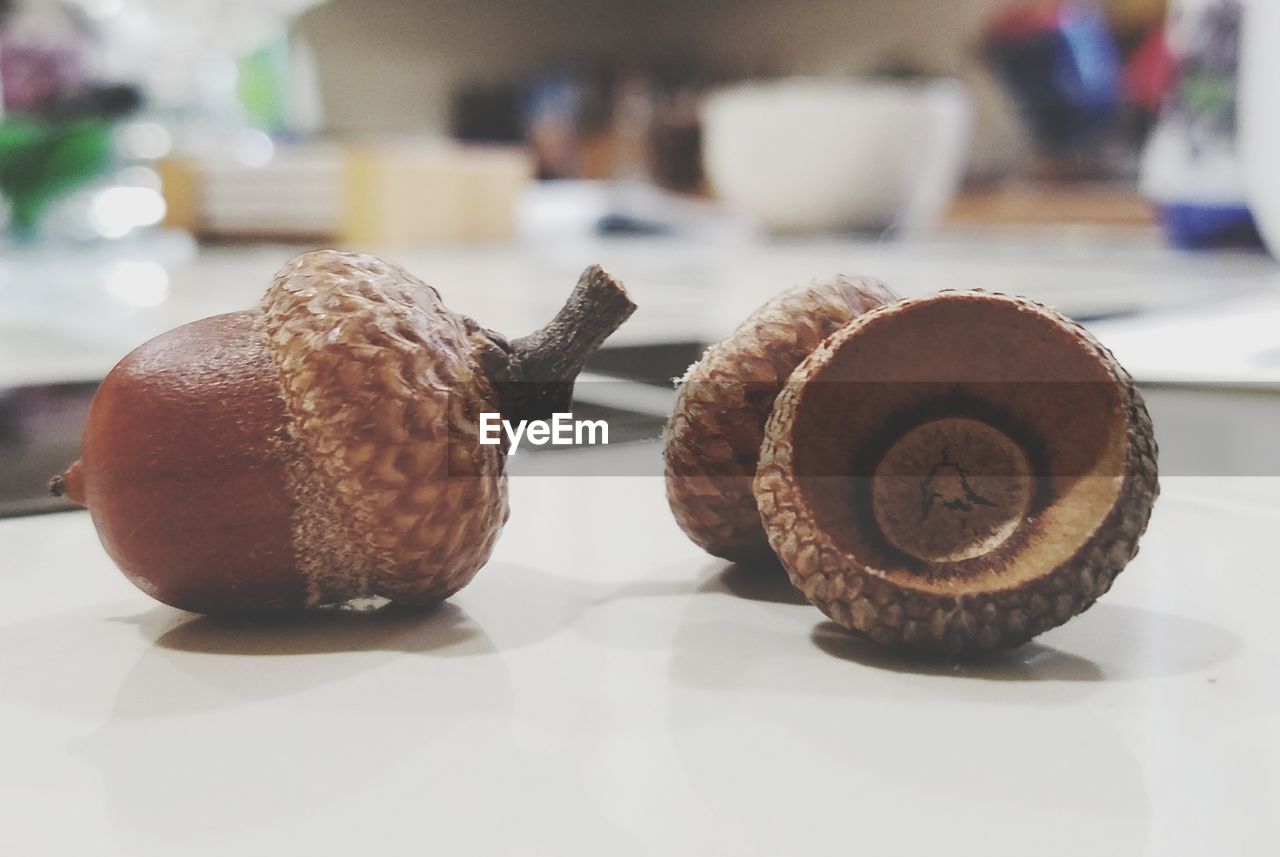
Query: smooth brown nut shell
point(712, 440)
point(183, 469)
point(958, 472)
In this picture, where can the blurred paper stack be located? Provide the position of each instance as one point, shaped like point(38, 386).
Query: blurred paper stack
point(365, 193)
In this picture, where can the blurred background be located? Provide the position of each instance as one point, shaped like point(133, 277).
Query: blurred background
point(159, 159)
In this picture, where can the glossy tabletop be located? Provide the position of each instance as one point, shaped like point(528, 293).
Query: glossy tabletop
point(603, 688)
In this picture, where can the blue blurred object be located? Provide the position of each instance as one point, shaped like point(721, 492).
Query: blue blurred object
point(1193, 226)
point(1191, 167)
point(553, 109)
point(1061, 64)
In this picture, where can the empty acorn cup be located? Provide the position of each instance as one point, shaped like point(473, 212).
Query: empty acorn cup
point(956, 473)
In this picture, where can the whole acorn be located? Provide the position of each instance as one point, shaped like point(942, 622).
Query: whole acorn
point(955, 473)
point(323, 446)
point(713, 438)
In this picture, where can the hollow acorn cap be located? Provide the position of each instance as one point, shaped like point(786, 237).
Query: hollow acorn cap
point(713, 438)
point(958, 472)
point(383, 391)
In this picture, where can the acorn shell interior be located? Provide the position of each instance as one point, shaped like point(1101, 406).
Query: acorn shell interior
point(1020, 412)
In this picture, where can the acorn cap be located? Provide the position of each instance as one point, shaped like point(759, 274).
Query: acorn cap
point(383, 389)
point(712, 440)
point(957, 472)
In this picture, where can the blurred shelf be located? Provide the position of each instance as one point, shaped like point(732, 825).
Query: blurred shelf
point(1100, 204)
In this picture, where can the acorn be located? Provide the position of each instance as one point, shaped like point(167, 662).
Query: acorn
point(957, 473)
point(713, 437)
point(323, 446)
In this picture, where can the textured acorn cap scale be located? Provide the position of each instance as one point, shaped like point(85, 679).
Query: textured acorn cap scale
point(712, 440)
point(382, 389)
point(957, 472)
point(324, 446)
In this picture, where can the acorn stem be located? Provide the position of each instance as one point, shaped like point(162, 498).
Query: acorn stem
point(543, 365)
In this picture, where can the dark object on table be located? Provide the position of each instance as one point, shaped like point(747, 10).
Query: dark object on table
point(39, 433)
point(99, 101)
point(1061, 65)
point(489, 114)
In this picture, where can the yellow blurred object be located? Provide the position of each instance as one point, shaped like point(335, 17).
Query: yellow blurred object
point(366, 193)
point(180, 184)
point(403, 193)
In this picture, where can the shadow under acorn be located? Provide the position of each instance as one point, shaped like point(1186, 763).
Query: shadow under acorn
point(1106, 642)
point(762, 580)
point(1030, 661)
point(442, 629)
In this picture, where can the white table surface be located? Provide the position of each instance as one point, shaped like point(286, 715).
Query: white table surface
point(603, 688)
point(74, 317)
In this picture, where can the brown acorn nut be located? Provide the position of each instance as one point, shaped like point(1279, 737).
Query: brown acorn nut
point(713, 437)
point(324, 446)
point(959, 472)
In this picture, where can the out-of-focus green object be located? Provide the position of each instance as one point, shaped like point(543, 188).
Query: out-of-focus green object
point(41, 160)
point(278, 88)
point(263, 84)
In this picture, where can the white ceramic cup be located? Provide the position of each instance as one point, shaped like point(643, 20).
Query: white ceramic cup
point(814, 155)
